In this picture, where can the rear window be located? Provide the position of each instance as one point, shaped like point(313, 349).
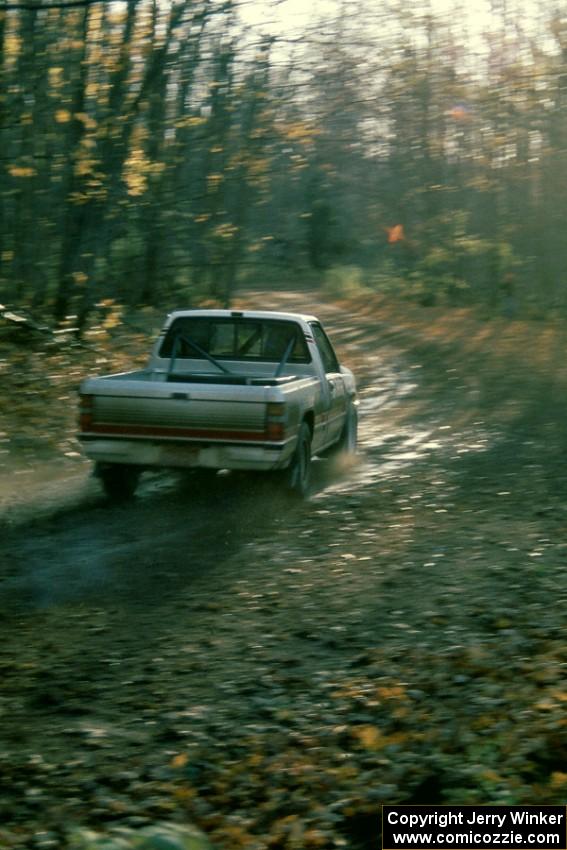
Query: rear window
point(235, 339)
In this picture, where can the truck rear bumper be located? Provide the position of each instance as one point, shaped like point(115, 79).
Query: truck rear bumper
point(186, 455)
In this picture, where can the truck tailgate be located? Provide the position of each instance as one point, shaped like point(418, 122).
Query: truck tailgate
point(178, 411)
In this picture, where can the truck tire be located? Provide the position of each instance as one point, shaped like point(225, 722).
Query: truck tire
point(347, 442)
point(348, 439)
point(298, 473)
point(119, 481)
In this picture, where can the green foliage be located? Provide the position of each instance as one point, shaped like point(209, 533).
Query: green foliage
point(344, 282)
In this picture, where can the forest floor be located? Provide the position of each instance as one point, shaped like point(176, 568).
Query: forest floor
point(274, 673)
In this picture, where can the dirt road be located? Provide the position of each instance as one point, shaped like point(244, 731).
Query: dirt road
point(274, 673)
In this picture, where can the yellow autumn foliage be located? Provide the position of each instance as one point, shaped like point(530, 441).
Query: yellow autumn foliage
point(299, 131)
point(55, 76)
point(370, 737)
point(179, 760)
point(193, 121)
point(558, 779)
point(21, 171)
point(12, 46)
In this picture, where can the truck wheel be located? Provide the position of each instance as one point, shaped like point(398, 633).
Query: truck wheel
point(118, 480)
point(348, 439)
point(299, 470)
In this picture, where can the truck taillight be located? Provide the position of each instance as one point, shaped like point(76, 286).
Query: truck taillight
point(275, 421)
point(85, 412)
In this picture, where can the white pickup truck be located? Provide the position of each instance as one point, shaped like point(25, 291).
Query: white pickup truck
point(224, 389)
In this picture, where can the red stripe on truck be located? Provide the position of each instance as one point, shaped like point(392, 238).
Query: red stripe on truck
point(188, 433)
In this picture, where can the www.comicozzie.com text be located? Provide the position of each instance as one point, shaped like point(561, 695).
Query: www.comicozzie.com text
point(483, 839)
